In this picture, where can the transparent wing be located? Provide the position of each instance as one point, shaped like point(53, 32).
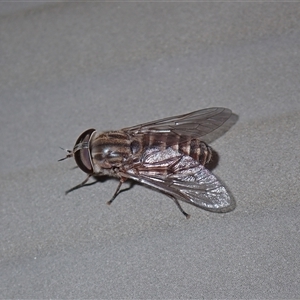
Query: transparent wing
point(182, 178)
point(194, 124)
point(201, 189)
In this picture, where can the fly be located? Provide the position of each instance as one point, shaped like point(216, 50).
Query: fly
point(166, 154)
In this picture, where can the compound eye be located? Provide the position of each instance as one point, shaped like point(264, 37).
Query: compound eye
point(82, 153)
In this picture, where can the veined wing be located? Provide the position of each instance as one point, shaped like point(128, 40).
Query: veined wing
point(195, 124)
point(182, 178)
point(199, 187)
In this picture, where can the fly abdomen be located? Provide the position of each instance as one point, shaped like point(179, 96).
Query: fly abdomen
point(196, 149)
point(155, 140)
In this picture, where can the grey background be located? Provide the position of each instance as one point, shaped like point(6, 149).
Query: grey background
point(66, 67)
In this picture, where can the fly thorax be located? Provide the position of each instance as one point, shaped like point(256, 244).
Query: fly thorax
point(110, 149)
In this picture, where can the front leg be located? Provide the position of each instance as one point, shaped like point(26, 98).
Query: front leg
point(122, 180)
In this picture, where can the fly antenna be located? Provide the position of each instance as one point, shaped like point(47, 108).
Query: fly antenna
point(69, 154)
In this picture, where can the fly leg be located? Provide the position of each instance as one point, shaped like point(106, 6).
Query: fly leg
point(122, 180)
point(79, 185)
point(180, 208)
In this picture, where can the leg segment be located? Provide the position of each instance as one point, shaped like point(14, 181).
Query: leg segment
point(180, 208)
point(122, 180)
